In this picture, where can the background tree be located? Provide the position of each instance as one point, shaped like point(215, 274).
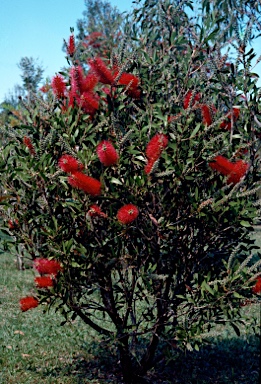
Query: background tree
point(32, 73)
point(101, 28)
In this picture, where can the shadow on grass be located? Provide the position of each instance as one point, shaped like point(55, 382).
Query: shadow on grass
point(229, 361)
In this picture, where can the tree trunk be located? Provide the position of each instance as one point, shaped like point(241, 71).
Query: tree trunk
point(129, 369)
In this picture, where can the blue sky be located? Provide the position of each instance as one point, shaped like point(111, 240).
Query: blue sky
point(36, 28)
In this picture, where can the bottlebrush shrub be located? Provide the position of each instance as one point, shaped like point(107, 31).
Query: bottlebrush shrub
point(144, 256)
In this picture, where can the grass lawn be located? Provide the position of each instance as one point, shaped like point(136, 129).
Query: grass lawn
point(36, 349)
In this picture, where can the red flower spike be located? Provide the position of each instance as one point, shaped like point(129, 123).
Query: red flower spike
point(89, 82)
point(222, 165)
point(239, 170)
point(234, 171)
point(45, 88)
point(27, 142)
point(131, 82)
point(187, 99)
point(206, 115)
point(71, 46)
point(99, 68)
point(257, 287)
point(28, 302)
point(47, 267)
point(92, 40)
point(77, 79)
point(95, 211)
point(127, 213)
point(226, 124)
point(44, 282)
point(69, 164)
point(156, 145)
point(149, 166)
point(58, 86)
point(85, 183)
point(107, 153)
point(89, 102)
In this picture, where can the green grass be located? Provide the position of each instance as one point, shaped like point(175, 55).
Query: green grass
point(36, 349)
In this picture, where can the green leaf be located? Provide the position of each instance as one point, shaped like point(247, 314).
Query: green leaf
point(236, 329)
point(116, 181)
point(245, 224)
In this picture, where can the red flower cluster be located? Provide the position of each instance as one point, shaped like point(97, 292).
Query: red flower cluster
point(187, 99)
point(131, 83)
point(71, 46)
point(127, 213)
point(93, 40)
point(44, 282)
point(206, 114)
point(257, 286)
point(85, 183)
point(81, 91)
point(207, 111)
point(27, 142)
point(154, 149)
point(234, 171)
point(47, 267)
point(100, 69)
point(107, 153)
point(69, 164)
point(28, 302)
point(58, 86)
point(45, 88)
point(95, 211)
point(226, 124)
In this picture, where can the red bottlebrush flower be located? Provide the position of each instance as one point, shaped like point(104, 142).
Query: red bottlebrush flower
point(93, 40)
point(45, 88)
point(77, 79)
point(131, 82)
point(27, 142)
point(71, 98)
point(222, 165)
point(95, 211)
point(226, 124)
point(240, 168)
point(206, 115)
point(234, 171)
point(69, 164)
point(89, 102)
point(85, 183)
point(156, 145)
point(187, 99)
point(44, 282)
point(99, 68)
point(47, 267)
point(107, 153)
point(257, 287)
point(58, 86)
point(71, 46)
point(149, 166)
point(127, 213)
point(89, 82)
point(28, 302)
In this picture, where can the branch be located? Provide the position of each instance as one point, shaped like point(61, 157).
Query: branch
point(89, 322)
